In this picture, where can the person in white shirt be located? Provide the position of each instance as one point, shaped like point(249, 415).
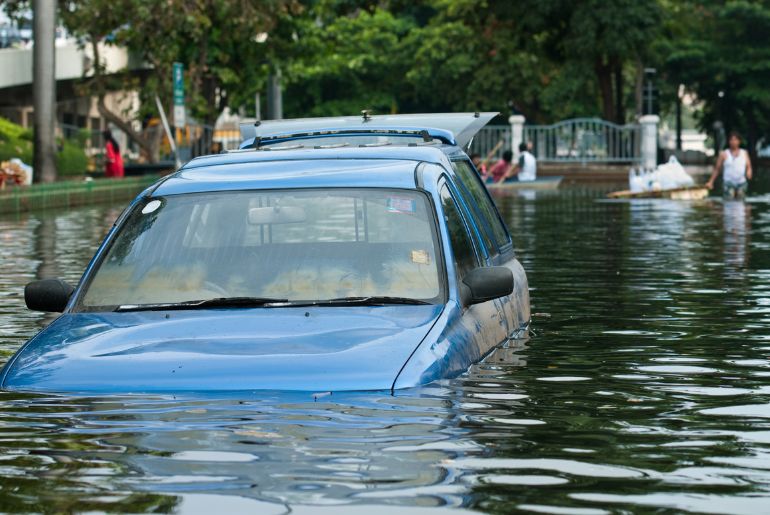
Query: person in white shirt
point(736, 169)
point(526, 167)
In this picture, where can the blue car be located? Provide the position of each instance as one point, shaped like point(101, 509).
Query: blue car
point(356, 253)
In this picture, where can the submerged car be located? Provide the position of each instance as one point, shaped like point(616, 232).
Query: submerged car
point(326, 255)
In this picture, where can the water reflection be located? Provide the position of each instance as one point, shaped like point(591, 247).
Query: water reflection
point(737, 231)
point(646, 388)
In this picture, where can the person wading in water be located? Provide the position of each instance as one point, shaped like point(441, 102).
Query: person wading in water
point(736, 169)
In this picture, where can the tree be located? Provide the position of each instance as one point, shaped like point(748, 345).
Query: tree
point(216, 40)
point(548, 59)
point(341, 57)
point(723, 56)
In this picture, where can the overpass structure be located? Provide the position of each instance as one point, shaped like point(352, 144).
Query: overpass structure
point(73, 63)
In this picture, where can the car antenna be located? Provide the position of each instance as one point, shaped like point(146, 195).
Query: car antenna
point(257, 139)
point(476, 114)
point(367, 114)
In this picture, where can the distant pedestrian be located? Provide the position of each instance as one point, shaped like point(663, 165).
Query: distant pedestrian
point(113, 161)
point(735, 165)
point(526, 167)
point(501, 168)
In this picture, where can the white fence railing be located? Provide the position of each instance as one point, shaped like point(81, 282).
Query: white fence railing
point(579, 140)
point(585, 140)
point(490, 137)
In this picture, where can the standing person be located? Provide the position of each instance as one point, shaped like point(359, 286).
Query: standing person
point(526, 168)
point(501, 168)
point(113, 162)
point(736, 169)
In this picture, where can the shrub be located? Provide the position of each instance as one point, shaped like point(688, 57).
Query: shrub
point(16, 141)
point(71, 160)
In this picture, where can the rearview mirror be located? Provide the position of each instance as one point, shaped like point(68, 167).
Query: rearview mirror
point(276, 215)
point(48, 295)
point(487, 283)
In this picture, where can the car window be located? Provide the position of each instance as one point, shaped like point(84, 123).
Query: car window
point(484, 204)
point(301, 245)
point(465, 258)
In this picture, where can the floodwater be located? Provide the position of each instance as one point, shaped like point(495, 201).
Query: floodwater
point(645, 388)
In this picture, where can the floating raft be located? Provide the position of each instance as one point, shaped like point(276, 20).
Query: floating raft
point(544, 183)
point(689, 193)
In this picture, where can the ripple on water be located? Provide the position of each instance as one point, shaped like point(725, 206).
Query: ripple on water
point(676, 370)
point(689, 501)
point(523, 480)
point(575, 468)
point(564, 379)
point(746, 410)
point(214, 456)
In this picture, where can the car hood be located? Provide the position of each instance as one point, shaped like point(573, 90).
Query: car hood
point(309, 349)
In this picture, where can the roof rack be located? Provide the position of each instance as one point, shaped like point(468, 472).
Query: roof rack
point(427, 135)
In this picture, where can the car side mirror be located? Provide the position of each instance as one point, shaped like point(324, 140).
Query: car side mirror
point(48, 295)
point(487, 283)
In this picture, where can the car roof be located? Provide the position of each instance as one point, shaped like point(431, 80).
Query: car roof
point(385, 167)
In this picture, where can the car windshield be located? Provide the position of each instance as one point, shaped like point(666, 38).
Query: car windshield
point(287, 245)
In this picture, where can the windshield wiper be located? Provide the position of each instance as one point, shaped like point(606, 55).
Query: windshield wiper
point(372, 300)
point(219, 302)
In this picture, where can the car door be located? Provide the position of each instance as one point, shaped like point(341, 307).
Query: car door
point(481, 327)
point(515, 306)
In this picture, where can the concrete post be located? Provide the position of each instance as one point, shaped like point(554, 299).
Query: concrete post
point(44, 90)
point(517, 132)
point(649, 143)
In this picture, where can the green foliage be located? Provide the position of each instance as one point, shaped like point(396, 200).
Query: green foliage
point(71, 160)
point(547, 59)
point(722, 54)
point(214, 39)
point(16, 142)
point(346, 63)
point(544, 58)
point(10, 131)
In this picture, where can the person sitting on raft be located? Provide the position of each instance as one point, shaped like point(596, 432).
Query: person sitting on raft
point(501, 168)
point(526, 167)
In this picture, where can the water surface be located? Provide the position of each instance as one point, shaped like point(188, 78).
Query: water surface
point(646, 387)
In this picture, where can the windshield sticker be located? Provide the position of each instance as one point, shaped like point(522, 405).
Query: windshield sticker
point(421, 257)
point(151, 206)
point(401, 205)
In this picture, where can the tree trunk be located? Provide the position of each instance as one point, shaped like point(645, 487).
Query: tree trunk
point(620, 112)
point(149, 148)
point(639, 88)
point(604, 78)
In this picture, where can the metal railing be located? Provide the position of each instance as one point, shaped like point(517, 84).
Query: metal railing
point(193, 141)
point(582, 140)
point(490, 137)
point(199, 140)
point(579, 140)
